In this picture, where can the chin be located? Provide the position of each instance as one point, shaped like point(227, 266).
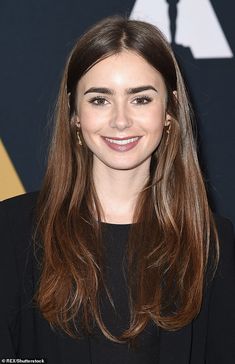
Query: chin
point(124, 166)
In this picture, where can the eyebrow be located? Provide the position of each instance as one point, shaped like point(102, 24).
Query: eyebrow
point(129, 91)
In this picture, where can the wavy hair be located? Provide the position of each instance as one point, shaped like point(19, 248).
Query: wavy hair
point(173, 230)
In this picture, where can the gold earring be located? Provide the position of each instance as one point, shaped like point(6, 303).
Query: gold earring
point(79, 138)
point(68, 95)
point(168, 133)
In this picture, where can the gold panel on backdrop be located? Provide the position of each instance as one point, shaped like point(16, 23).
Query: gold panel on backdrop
point(10, 183)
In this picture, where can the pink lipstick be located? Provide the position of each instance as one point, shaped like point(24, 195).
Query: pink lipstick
point(122, 144)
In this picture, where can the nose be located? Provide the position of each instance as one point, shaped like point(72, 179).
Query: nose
point(121, 118)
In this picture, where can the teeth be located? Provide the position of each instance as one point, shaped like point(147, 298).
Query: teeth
point(122, 142)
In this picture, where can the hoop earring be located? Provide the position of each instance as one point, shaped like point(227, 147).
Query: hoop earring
point(168, 133)
point(78, 137)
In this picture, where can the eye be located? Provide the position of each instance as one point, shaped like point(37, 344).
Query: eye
point(142, 100)
point(98, 101)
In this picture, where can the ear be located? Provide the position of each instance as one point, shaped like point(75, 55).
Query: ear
point(75, 120)
point(168, 119)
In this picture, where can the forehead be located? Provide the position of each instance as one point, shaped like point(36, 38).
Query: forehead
point(123, 69)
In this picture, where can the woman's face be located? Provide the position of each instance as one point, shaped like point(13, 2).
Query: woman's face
point(121, 110)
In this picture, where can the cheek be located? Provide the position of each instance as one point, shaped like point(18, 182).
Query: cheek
point(90, 120)
point(154, 122)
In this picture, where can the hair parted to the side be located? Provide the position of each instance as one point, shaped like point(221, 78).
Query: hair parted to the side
point(174, 231)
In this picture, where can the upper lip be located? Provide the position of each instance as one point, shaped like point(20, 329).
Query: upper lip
point(124, 138)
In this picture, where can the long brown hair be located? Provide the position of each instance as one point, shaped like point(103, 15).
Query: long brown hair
point(173, 229)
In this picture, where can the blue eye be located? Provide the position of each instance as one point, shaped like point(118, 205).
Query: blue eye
point(142, 100)
point(98, 101)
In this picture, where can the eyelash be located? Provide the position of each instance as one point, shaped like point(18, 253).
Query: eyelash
point(97, 98)
point(144, 100)
point(139, 100)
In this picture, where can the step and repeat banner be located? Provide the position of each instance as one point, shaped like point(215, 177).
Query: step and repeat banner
point(35, 39)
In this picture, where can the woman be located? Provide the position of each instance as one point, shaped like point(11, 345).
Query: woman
point(127, 263)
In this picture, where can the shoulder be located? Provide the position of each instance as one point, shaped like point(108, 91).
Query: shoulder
point(223, 285)
point(20, 203)
point(224, 226)
point(226, 241)
point(16, 263)
point(221, 323)
point(19, 207)
point(16, 218)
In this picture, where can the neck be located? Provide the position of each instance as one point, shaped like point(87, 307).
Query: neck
point(118, 190)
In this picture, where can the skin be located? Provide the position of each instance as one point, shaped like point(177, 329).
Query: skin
point(121, 111)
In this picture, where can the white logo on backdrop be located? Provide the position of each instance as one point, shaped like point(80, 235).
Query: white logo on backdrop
point(188, 23)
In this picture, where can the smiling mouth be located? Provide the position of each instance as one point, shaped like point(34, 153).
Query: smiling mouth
point(122, 141)
point(121, 144)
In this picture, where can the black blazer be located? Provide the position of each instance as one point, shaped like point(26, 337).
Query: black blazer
point(209, 338)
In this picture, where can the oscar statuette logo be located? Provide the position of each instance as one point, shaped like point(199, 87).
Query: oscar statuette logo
point(188, 24)
point(10, 183)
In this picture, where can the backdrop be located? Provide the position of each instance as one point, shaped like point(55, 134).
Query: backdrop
point(35, 39)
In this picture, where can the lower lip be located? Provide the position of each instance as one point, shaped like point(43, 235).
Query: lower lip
point(122, 147)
